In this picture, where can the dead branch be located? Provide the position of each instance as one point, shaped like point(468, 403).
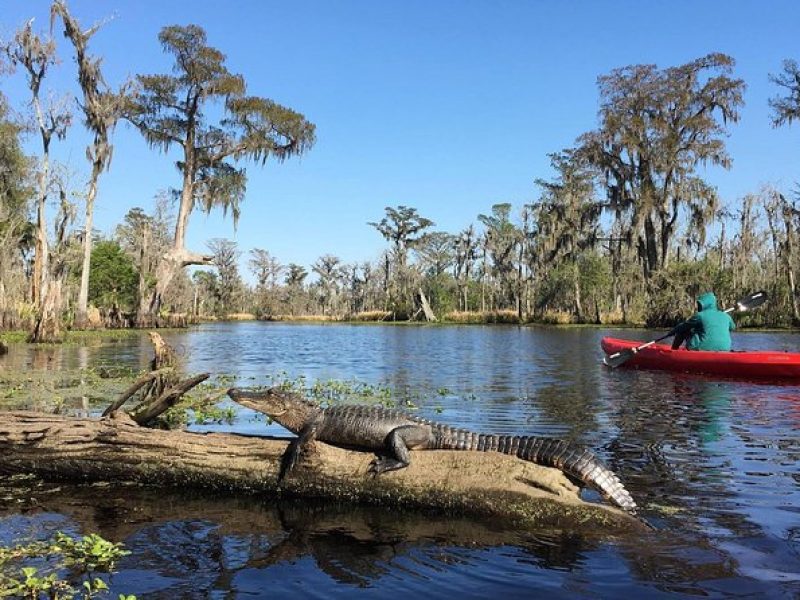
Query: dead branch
point(144, 415)
point(134, 387)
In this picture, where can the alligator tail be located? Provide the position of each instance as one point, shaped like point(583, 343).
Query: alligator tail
point(570, 458)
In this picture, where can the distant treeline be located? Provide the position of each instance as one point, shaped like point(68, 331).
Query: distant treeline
point(625, 231)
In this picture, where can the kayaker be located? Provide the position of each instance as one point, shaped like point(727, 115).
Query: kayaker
point(708, 329)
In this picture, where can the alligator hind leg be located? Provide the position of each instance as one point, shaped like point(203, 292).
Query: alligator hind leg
point(398, 443)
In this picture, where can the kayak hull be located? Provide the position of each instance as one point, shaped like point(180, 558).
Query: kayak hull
point(758, 365)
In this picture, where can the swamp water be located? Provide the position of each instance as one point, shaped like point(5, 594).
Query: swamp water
point(713, 464)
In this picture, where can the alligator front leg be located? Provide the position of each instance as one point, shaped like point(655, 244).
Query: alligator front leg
point(295, 448)
point(398, 443)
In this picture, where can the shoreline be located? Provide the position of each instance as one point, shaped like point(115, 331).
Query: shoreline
point(77, 336)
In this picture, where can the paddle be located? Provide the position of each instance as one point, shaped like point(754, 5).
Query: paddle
point(742, 305)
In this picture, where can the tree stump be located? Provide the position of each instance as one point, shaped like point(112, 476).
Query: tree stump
point(159, 389)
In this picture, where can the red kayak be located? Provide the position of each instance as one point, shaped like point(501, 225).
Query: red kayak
point(761, 365)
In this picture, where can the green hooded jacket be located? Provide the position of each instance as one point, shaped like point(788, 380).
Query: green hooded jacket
point(710, 328)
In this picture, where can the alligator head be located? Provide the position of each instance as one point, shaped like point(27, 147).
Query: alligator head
point(287, 408)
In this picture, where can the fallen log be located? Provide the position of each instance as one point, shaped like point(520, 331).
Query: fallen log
point(116, 449)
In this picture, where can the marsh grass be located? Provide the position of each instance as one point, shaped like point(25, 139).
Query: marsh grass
point(482, 317)
point(372, 316)
point(239, 317)
point(78, 337)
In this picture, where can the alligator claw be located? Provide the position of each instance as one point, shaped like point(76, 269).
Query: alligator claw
point(382, 464)
point(375, 468)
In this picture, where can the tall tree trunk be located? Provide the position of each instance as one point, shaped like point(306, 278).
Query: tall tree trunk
point(171, 261)
point(519, 282)
point(187, 202)
point(793, 296)
point(47, 325)
point(577, 288)
point(790, 236)
point(81, 319)
point(665, 235)
point(101, 110)
point(465, 285)
point(769, 211)
point(47, 329)
point(483, 283)
point(176, 258)
point(651, 248)
point(386, 275)
point(144, 272)
point(41, 251)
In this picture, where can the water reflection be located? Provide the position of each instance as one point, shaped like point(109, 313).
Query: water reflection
point(192, 545)
point(184, 543)
point(713, 463)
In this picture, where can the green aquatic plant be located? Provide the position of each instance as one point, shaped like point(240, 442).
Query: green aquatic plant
point(213, 414)
point(203, 404)
point(335, 391)
point(89, 553)
point(63, 389)
point(78, 337)
point(62, 563)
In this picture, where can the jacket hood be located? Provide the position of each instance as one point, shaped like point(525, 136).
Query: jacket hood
point(706, 301)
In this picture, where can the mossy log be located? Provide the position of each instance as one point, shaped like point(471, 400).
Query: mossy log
point(116, 449)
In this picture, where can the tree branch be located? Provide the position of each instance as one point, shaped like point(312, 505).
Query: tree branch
point(167, 399)
point(135, 387)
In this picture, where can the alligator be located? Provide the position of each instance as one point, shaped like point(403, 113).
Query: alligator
point(392, 433)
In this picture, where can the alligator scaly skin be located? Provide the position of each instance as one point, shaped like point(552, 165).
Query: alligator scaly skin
point(359, 424)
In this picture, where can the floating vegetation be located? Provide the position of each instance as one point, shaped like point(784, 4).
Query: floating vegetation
point(87, 391)
point(335, 391)
point(62, 567)
point(64, 390)
point(208, 404)
point(73, 337)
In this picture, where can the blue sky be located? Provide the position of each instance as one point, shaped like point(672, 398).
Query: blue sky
point(446, 106)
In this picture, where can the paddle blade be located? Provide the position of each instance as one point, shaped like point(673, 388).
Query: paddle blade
point(752, 301)
point(619, 358)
